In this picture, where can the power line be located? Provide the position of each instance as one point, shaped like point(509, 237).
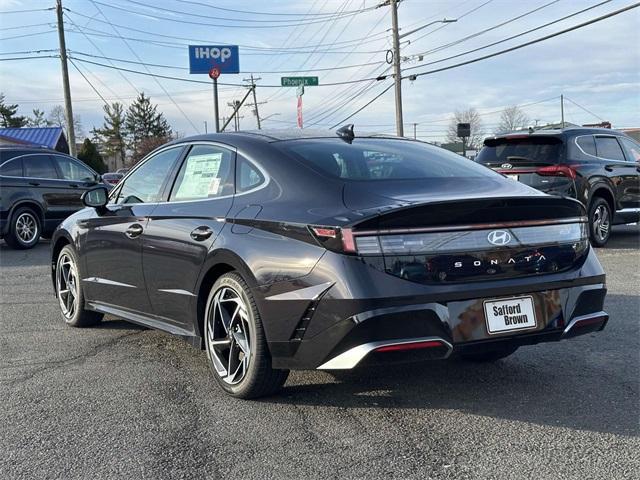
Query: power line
point(492, 44)
point(364, 106)
point(486, 30)
point(188, 80)
point(28, 58)
point(175, 67)
point(147, 69)
point(276, 51)
point(9, 12)
point(28, 35)
point(24, 52)
point(586, 110)
point(87, 80)
point(248, 12)
point(526, 44)
point(124, 77)
point(27, 26)
point(208, 24)
point(328, 16)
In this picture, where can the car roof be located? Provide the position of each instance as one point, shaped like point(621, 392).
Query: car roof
point(558, 132)
point(274, 135)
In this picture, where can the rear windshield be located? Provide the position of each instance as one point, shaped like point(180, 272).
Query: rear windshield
point(530, 150)
point(374, 159)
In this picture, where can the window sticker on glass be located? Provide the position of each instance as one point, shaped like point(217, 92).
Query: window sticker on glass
point(201, 176)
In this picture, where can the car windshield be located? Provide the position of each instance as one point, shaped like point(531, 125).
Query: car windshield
point(377, 159)
point(520, 151)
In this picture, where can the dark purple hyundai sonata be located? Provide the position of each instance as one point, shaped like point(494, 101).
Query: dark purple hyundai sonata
point(282, 250)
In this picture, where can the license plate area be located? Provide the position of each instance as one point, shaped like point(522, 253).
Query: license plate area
point(513, 176)
point(510, 314)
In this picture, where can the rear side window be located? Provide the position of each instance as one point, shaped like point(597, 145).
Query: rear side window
point(632, 149)
point(372, 159)
point(39, 166)
point(12, 168)
point(248, 176)
point(609, 148)
point(587, 144)
point(207, 172)
point(528, 151)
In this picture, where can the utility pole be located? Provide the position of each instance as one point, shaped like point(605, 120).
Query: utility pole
point(397, 75)
point(255, 101)
point(415, 125)
point(68, 111)
point(205, 127)
point(562, 109)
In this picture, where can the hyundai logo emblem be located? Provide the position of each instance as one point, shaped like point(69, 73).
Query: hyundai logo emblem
point(506, 166)
point(499, 237)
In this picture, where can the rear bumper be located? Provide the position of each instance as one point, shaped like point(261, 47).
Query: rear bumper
point(349, 319)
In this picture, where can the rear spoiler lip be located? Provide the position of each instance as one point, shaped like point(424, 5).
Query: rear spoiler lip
point(382, 210)
point(477, 226)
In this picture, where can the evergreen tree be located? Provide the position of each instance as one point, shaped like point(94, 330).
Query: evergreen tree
point(89, 154)
point(112, 135)
point(146, 127)
point(38, 119)
point(8, 117)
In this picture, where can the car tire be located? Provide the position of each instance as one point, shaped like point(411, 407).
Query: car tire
point(70, 292)
point(600, 217)
point(489, 355)
point(24, 230)
point(235, 341)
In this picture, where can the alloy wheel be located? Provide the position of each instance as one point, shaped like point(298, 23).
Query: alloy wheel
point(601, 222)
point(228, 335)
point(67, 285)
point(26, 227)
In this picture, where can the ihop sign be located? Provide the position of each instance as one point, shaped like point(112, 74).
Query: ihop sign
point(225, 58)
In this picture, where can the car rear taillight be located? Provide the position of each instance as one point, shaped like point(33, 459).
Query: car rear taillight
point(568, 171)
point(335, 238)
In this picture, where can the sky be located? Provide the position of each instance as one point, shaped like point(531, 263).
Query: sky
point(596, 68)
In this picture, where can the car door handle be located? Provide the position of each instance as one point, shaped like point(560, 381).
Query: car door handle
point(134, 230)
point(34, 184)
point(73, 185)
point(201, 233)
point(608, 168)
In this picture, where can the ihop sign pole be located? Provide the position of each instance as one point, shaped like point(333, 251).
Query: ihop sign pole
point(214, 60)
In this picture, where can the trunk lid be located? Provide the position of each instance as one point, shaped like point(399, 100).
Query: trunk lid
point(453, 239)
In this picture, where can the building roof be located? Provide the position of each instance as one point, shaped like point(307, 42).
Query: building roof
point(41, 136)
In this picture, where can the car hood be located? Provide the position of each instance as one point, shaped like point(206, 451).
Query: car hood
point(382, 195)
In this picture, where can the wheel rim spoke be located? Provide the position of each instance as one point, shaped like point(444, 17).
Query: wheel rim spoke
point(67, 286)
point(227, 335)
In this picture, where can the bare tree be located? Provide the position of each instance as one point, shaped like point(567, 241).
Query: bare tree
point(57, 118)
point(512, 118)
point(472, 117)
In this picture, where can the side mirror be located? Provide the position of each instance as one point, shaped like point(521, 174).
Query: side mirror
point(96, 197)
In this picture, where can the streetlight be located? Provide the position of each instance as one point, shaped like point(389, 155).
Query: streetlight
point(444, 20)
point(396, 59)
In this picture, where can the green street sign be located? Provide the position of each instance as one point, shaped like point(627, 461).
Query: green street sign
point(296, 81)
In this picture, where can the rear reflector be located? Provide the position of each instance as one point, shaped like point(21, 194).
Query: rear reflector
point(410, 346)
point(325, 232)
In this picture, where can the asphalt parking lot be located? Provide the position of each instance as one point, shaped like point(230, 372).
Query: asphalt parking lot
point(119, 401)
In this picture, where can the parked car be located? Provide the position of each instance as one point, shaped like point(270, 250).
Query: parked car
point(111, 178)
point(276, 251)
point(123, 171)
point(38, 189)
point(599, 167)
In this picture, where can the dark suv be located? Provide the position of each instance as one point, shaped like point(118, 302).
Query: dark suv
point(38, 189)
point(597, 166)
